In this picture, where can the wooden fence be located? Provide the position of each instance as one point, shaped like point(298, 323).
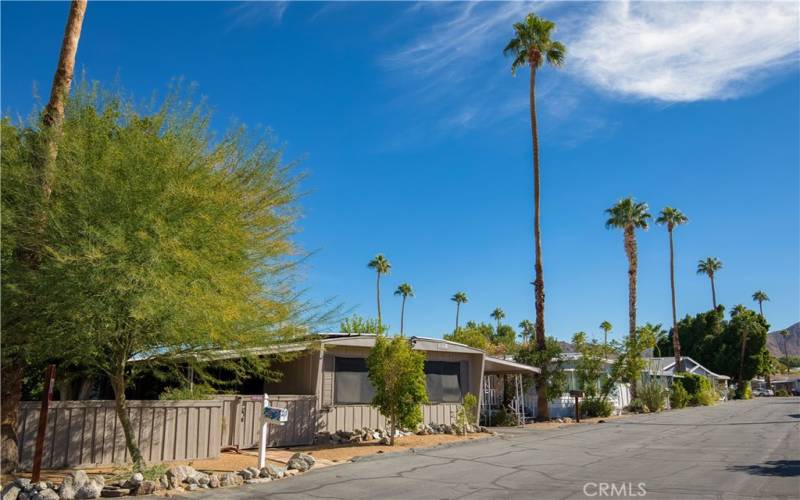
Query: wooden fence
point(242, 423)
point(88, 433)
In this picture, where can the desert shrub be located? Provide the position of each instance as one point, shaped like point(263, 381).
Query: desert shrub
point(743, 391)
point(706, 397)
point(782, 393)
point(698, 387)
point(653, 396)
point(596, 407)
point(504, 418)
point(467, 413)
point(678, 397)
point(198, 392)
point(636, 406)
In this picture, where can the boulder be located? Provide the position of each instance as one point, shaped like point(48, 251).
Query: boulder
point(213, 481)
point(72, 482)
point(164, 481)
point(92, 489)
point(145, 488)
point(136, 480)
point(111, 492)
point(230, 479)
point(245, 474)
point(192, 487)
point(301, 462)
point(178, 474)
point(10, 491)
point(45, 494)
point(385, 441)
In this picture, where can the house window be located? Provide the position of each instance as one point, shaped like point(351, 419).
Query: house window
point(351, 382)
point(443, 380)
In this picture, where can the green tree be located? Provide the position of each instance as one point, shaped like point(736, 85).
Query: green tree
point(397, 373)
point(498, 314)
point(760, 297)
point(533, 46)
point(381, 266)
point(672, 218)
point(474, 335)
point(550, 361)
point(629, 216)
point(590, 367)
point(526, 330)
point(403, 290)
point(357, 324)
point(459, 298)
point(709, 266)
point(161, 241)
point(606, 327)
point(504, 340)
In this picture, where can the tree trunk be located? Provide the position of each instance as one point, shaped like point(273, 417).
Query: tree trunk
point(118, 385)
point(378, 295)
point(713, 292)
point(542, 410)
point(630, 251)
point(676, 339)
point(393, 428)
point(458, 310)
point(402, 314)
point(53, 117)
point(760, 309)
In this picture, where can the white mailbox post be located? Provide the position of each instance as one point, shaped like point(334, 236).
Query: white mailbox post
point(269, 415)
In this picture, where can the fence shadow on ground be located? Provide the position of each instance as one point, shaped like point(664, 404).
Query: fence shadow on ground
point(780, 468)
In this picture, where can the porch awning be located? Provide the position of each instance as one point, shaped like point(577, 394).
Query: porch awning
point(497, 365)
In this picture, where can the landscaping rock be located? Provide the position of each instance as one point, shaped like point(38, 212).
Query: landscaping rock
point(245, 474)
point(230, 479)
point(136, 479)
point(292, 472)
point(92, 489)
point(72, 482)
point(109, 492)
point(179, 473)
point(164, 481)
point(301, 462)
point(192, 487)
point(385, 441)
point(145, 488)
point(213, 481)
point(257, 480)
point(11, 491)
point(45, 494)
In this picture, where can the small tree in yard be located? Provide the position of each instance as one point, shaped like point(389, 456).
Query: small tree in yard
point(159, 242)
point(550, 362)
point(397, 373)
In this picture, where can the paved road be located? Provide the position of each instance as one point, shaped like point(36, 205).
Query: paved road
point(739, 449)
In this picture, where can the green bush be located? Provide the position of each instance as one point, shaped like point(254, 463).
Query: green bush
point(707, 397)
point(636, 406)
point(199, 392)
point(678, 397)
point(467, 413)
point(698, 387)
point(743, 391)
point(596, 407)
point(653, 396)
point(782, 393)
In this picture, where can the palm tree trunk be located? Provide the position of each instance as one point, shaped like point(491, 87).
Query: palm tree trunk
point(713, 292)
point(760, 309)
point(630, 250)
point(402, 314)
point(53, 116)
point(542, 410)
point(676, 339)
point(378, 298)
point(458, 310)
point(121, 407)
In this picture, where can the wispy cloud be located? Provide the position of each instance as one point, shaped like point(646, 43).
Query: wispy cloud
point(679, 52)
point(250, 14)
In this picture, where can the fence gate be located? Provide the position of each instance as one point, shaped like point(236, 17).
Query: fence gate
point(241, 421)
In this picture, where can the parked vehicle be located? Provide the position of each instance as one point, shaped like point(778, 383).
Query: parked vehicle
point(763, 393)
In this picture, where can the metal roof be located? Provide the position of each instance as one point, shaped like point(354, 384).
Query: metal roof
point(497, 365)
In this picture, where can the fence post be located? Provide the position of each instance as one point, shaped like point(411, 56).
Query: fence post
point(47, 395)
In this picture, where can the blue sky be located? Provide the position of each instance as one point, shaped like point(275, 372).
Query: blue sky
point(417, 143)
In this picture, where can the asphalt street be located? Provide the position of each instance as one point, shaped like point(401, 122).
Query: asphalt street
point(736, 450)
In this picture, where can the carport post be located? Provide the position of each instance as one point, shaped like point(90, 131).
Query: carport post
point(262, 443)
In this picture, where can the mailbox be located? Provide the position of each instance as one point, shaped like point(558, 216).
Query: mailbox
point(276, 415)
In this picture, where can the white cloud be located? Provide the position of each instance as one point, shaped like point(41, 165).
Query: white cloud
point(250, 14)
point(680, 52)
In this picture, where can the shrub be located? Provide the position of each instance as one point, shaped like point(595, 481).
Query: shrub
point(698, 387)
point(707, 397)
point(678, 397)
point(198, 392)
point(743, 391)
point(596, 407)
point(636, 406)
point(467, 413)
point(653, 396)
point(782, 393)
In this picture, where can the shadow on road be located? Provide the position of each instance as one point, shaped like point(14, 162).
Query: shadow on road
point(783, 468)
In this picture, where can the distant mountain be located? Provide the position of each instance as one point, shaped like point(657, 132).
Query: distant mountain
point(775, 342)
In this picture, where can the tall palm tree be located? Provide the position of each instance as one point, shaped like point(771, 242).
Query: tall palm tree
point(672, 218)
point(526, 330)
point(459, 298)
point(740, 309)
point(381, 266)
point(13, 368)
point(533, 46)
point(760, 297)
point(709, 266)
point(629, 216)
point(606, 327)
point(785, 335)
point(404, 290)
point(498, 314)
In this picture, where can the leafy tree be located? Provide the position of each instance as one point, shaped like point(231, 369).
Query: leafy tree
point(760, 297)
point(160, 242)
point(550, 361)
point(672, 218)
point(504, 340)
point(709, 266)
point(357, 324)
point(381, 266)
point(397, 373)
point(459, 298)
point(474, 335)
point(606, 327)
point(590, 367)
point(526, 330)
point(404, 290)
point(629, 216)
point(533, 46)
point(498, 314)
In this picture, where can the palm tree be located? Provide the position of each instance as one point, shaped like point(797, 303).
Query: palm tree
point(498, 314)
point(526, 330)
point(404, 290)
point(532, 47)
point(629, 216)
point(606, 327)
point(785, 335)
point(381, 266)
point(459, 298)
point(709, 267)
point(760, 297)
point(672, 218)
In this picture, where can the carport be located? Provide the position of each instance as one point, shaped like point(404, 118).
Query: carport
point(497, 372)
